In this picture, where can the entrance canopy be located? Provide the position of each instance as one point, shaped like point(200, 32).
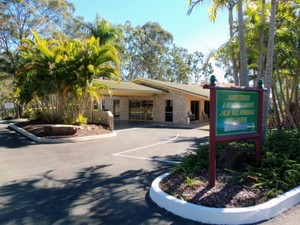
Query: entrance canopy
point(128, 89)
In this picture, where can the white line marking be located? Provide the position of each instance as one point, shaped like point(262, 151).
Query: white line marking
point(120, 154)
point(149, 159)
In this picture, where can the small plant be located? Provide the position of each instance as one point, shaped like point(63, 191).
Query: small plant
point(189, 181)
point(81, 119)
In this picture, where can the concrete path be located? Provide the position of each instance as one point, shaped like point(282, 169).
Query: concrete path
point(96, 182)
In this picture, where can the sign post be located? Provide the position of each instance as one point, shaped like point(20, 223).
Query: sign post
point(235, 114)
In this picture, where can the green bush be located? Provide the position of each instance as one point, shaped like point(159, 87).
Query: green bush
point(279, 170)
point(69, 119)
point(197, 161)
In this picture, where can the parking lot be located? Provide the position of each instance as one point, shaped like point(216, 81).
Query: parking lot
point(102, 181)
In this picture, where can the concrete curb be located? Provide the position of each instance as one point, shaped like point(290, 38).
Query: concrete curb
point(246, 215)
point(60, 140)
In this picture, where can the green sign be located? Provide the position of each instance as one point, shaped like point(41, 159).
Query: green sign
point(236, 112)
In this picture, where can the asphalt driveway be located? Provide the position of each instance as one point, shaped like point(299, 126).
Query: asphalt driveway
point(96, 182)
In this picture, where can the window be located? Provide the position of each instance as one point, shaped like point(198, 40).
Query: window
point(169, 111)
point(117, 109)
point(194, 110)
point(141, 110)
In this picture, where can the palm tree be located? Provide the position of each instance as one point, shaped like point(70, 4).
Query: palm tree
point(243, 52)
point(269, 64)
point(105, 31)
point(213, 15)
point(58, 77)
point(261, 41)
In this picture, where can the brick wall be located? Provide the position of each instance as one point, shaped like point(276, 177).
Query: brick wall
point(181, 106)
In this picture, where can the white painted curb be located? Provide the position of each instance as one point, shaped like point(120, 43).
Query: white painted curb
point(246, 215)
point(60, 140)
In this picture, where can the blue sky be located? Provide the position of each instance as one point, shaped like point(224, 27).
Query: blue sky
point(194, 32)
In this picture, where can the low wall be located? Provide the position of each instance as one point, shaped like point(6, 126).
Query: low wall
point(103, 117)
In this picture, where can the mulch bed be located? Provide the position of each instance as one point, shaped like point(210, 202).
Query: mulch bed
point(40, 129)
point(227, 193)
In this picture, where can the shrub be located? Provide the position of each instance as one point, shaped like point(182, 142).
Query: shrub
point(196, 162)
point(280, 169)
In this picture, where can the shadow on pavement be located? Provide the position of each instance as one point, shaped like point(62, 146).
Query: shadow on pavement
point(91, 197)
point(11, 139)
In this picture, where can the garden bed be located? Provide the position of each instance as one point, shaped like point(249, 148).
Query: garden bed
point(46, 131)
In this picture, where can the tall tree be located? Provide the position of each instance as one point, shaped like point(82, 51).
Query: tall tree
point(243, 51)
point(105, 31)
point(269, 64)
point(151, 53)
point(148, 50)
point(200, 68)
point(179, 68)
point(19, 17)
point(244, 81)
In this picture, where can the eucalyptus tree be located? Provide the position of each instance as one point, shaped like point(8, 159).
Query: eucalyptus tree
point(19, 17)
point(178, 65)
point(200, 68)
point(58, 77)
point(148, 51)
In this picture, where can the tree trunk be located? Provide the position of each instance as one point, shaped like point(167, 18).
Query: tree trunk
point(275, 107)
point(233, 56)
point(279, 104)
point(288, 116)
point(297, 99)
point(261, 43)
point(243, 51)
point(269, 67)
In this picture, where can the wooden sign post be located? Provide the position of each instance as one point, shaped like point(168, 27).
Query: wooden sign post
point(235, 114)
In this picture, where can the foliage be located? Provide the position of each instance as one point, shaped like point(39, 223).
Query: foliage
point(146, 49)
point(105, 32)
point(200, 68)
point(17, 18)
point(57, 77)
point(197, 161)
point(81, 119)
point(149, 52)
point(279, 171)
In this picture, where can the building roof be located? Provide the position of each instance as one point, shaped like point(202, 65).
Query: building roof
point(149, 87)
point(128, 88)
point(195, 90)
